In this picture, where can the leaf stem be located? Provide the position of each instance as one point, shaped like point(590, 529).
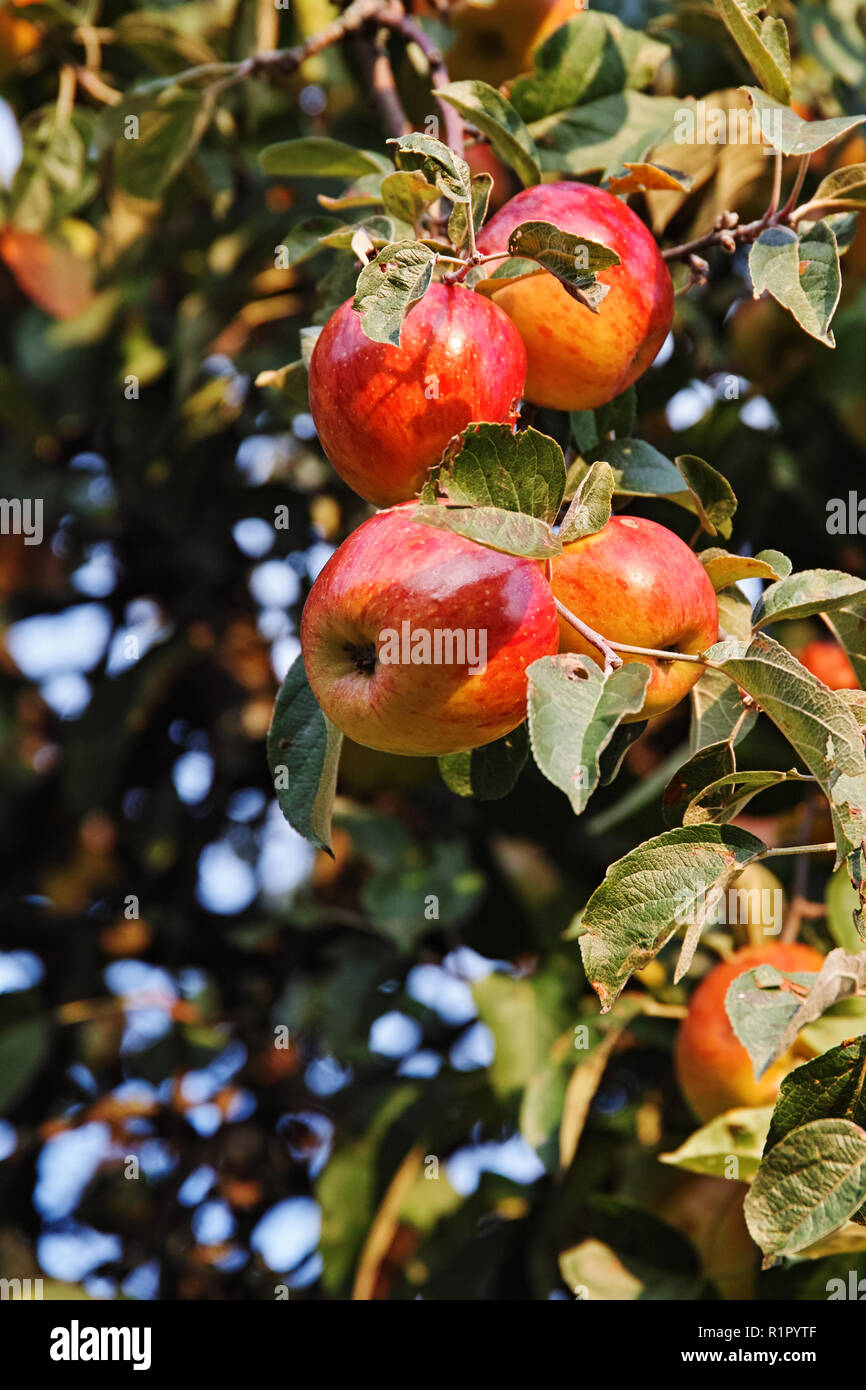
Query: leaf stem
point(829, 847)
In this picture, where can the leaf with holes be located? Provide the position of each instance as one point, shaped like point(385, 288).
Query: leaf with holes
point(574, 709)
point(491, 466)
point(389, 286)
point(574, 260)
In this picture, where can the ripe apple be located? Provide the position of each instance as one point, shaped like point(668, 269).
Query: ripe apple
point(396, 586)
point(709, 1211)
point(385, 414)
point(497, 40)
point(638, 583)
point(577, 359)
point(828, 661)
point(713, 1068)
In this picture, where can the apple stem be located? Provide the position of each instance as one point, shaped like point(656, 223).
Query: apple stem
point(660, 655)
point(612, 662)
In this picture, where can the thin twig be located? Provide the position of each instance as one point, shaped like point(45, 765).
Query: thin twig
point(397, 20)
point(612, 662)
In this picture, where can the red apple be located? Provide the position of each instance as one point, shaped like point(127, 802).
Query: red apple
point(829, 662)
point(713, 1068)
point(385, 414)
point(577, 359)
point(396, 587)
point(636, 582)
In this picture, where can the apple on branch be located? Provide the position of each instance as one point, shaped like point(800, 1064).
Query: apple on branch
point(385, 414)
point(396, 594)
point(578, 359)
point(637, 583)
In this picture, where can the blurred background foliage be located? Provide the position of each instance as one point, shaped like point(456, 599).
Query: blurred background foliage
point(416, 1134)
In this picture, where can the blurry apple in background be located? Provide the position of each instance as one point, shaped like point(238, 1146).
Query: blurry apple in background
point(385, 414)
point(636, 582)
point(829, 661)
point(713, 1068)
point(709, 1211)
point(577, 359)
point(497, 38)
point(394, 571)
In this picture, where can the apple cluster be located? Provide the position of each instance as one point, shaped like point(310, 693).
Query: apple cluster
point(385, 415)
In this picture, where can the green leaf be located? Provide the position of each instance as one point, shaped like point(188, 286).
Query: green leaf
point(639, 470)
point(458, 222)
point(395, 896)
point(727, 797)
point(514, 533)
point(303, 751)
point(491, 466)
point(51, 176)
point(23, 1049)
point(815, 721)
point(380, 232)
point(713, 495)
point(604, 134)
point(305, 239)
point(167, 137)
point(693, 777)
point(764, 45)
point(389, 286)
point(630, 1254)
point(786, 131)
point(716, 710)
point(618, 416)
point(594, 55)
point(802, 273)
point(849, 626)
point(809, 1183)
point(760, 1009)
point(407, 195)
point(439, 164)
point(844, 188)
point(574, 709)
point(525, 1016)
point(647, 895)
point(730, 1146)
point(725, 569)
point(831, 1087)
point(365, 192)
point(843, 908)
point(292, 382)
point(808, 592)
point(485, 108)
point(572, 259)
point(611, 760)
point(318, 157)
point(589, 511)
point(488, 773)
